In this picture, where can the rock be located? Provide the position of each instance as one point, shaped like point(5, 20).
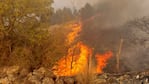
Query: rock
point(12, 73)
point(42, 70)
point(2, 73)
point(103, 76)
point(112, 80)
point(12, 77)
point(23, 73)
point(40, 73)
point(50, 74)
point(69, 80)
point(36, 76)
point(99, 81)
point(59, 81)
point(123, 78)
point(12, 70)
point(137, 77)
point(5, 81)
point(47, 80)
point(27, 82)
point(33, 79)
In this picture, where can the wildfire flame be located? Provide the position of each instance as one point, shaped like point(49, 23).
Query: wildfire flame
point(78, 57)
point(102, 60)
point(76, 28)
point(72, 65)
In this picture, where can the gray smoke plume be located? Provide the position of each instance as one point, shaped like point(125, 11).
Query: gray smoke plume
point(105, 31)
point(119, 11)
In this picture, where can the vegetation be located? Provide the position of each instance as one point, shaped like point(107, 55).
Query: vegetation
point(32, 33)
point(24, 40)
point(63, 15)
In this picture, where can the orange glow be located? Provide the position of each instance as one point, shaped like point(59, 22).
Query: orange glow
point(79, 56)
point(102, 61)
point(68, 66)
point(76, 28)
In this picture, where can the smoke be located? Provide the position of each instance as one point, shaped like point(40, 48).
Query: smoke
point(105, 31)
point(70, 3)
point(119, 11)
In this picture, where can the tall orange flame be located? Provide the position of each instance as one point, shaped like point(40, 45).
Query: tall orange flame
point(78, 57)
point(68, 66)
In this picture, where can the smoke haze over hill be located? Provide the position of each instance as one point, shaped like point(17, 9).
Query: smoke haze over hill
point(104, 32)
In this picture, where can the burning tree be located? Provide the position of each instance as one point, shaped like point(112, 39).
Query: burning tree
point(75, 63)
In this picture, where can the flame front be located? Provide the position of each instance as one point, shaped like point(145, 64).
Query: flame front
point(102, 60)
point(79, 56)
point(76, 28)
point(73, 64)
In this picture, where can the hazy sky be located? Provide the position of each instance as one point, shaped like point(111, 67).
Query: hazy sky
point(133, 7)
point(71, 3)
